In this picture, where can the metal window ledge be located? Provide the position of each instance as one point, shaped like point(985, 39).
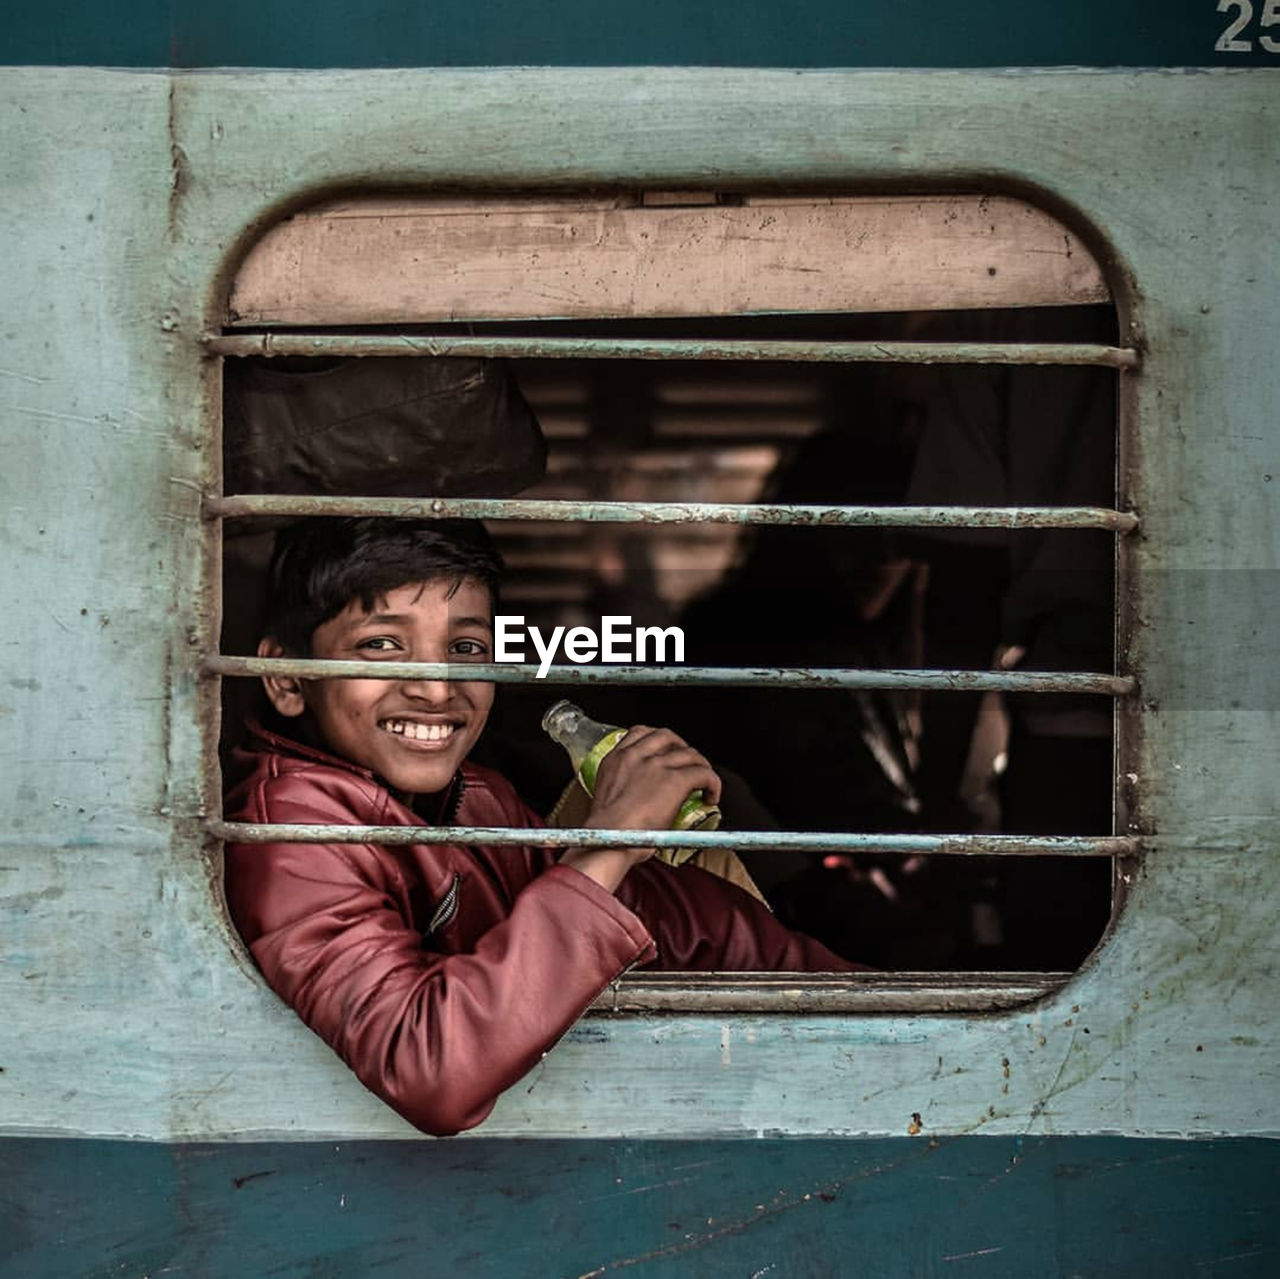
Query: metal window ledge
point(781, 993)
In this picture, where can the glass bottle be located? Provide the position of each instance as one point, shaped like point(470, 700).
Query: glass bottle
point(588, 741)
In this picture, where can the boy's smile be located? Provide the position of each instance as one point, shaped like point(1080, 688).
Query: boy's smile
point(414, 734)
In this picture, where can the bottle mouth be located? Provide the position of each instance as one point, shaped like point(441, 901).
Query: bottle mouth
point(554, 712)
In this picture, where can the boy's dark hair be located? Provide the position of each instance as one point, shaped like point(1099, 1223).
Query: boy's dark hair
point(319, 566)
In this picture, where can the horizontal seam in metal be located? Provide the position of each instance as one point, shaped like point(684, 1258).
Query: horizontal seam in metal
point(581, 837)
point(558, 510)
point(1087, 682)
point(790, 351)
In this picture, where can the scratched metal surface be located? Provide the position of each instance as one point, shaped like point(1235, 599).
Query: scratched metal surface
point(770, 1209)
point(127, 1007)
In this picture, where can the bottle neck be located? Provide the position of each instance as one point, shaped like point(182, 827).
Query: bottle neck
point(576, 731)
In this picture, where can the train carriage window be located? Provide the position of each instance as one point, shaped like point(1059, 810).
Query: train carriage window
point(911, 691)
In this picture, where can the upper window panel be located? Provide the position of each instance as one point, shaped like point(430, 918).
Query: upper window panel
point(410, 260)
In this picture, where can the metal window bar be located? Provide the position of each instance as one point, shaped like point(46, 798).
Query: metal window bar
point(216, 508)
point(692, 676)
point(555, 510)
point(768, 840)
point(742, 349)
point(789, 841)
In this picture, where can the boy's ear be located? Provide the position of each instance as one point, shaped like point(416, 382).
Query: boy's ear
point(285, 691)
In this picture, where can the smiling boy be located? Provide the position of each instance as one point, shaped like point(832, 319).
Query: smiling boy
point(412, 734)
point(441, 973)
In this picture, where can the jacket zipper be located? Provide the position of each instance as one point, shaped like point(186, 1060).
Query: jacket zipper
point(447, 909)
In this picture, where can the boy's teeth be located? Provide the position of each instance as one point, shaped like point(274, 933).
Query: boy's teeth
point(419, 732)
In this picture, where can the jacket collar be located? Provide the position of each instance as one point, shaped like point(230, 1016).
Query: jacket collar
point(443, 810)
point(261, 738)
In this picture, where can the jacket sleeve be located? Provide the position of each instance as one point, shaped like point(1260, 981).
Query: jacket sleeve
point(437, 1037)
point(703, 923)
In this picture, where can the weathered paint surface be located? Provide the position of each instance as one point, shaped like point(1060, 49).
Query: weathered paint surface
point(128, 1009)
point(360, 262)
point(770, 1209)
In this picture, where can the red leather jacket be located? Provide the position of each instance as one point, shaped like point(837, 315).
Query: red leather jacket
point(442, 973)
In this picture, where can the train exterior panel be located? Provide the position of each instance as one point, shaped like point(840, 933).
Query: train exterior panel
point(160, 1109)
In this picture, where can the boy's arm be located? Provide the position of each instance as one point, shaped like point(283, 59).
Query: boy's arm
point(703, 923)
point(639, 786)
point(699, 921)
point(437, 1037)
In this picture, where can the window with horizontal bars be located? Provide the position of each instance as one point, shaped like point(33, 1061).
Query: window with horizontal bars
point(880, 501)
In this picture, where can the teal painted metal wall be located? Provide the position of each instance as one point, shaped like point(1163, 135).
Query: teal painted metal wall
point(1088, 1207)
point(749, 33)
point(129, 1010)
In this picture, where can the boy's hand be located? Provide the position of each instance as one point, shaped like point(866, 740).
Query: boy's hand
point(640, 785)
point(643, 781)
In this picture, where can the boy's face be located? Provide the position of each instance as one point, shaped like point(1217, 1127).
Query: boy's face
point(412, 733)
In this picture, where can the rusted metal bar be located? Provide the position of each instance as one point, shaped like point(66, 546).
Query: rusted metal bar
point(574, 348)
point(767, 840)
point(562, 511)
point(824, 993)
point(700, 676)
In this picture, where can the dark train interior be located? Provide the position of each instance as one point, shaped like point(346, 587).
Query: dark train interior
point(719, 431)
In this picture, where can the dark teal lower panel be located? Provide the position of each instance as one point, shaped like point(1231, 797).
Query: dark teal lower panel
point(764, 1209)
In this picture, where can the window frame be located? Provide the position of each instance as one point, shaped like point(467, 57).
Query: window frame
point(637, 994)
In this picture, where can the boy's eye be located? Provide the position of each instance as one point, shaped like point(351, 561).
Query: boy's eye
point(378, 644)
point(469, 648)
